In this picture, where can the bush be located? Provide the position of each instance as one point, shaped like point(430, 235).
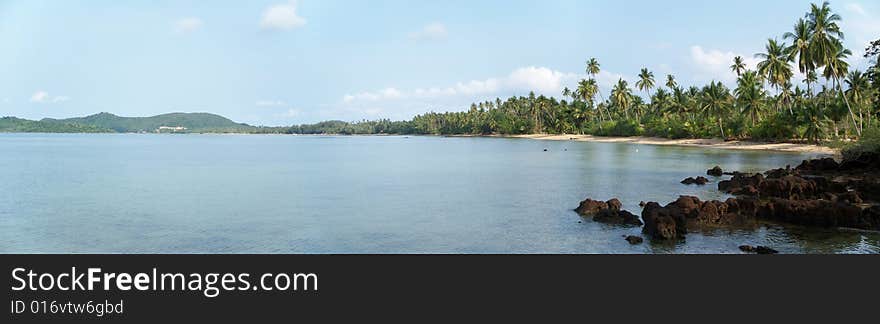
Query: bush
point(619, 128)
point(868, 143)
point(776, 127)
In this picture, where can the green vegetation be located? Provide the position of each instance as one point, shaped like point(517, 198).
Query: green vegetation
point(18, 125)
point(836, 103)
point(193, 122)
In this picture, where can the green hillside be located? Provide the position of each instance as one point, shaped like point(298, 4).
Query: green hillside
point(193, 122)
point(18, 125)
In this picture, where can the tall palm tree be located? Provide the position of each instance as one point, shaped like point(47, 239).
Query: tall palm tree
point(858, 92)
point(738, 65)
point(800, 48)
point(670, 82)
point(645, 82)
point(825, 45)
point(622, 96)
point(749, 95)
point(810, 78)
point(715, 103)
point(774, 65)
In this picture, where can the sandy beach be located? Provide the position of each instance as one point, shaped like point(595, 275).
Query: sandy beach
point(707, 143)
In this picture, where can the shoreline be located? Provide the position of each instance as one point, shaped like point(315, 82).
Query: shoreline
point(702, 143)
point(645, 140)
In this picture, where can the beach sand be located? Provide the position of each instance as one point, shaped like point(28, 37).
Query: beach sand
point(707, 143)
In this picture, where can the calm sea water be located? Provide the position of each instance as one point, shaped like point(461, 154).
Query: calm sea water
point(127, 193)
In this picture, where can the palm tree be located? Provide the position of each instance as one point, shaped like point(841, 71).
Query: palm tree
point(800, 48)
point(810, 78)
point(670, 82)
point(749, 95)
point(645, 82)
point(774, 65)
point(715, 102)
point(859, 86)
point(825, 45)
point(738, 65)
point(622, 96)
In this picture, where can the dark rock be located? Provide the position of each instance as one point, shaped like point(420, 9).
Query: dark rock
point(642, 204)
point(779, 173)
point(757, 249)
point(788, 187)
point(697, 181)
point(613, 204)
point(864, 161)
point(742, 184)
point(820, 165)
point(545, 150)
point(590, 207)
point(663, 223)
point(612, 216)
point(716, 171)
point(632, 239)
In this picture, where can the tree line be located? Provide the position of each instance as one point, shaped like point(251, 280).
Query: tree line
point(834, 101)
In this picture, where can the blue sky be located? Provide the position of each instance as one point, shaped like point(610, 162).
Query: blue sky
point(280, 62)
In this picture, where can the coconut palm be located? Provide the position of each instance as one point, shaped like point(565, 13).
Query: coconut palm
point(800, 48)
point(738, 65)
point(670, 82)
point(750, 95)
point(621, 95)
point(810, 78)
point(774, 65)
point(715, 103)
point(825, 45)
point(858, 92)
point(645, 82)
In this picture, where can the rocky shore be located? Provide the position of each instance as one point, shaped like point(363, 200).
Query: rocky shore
point(820, 192)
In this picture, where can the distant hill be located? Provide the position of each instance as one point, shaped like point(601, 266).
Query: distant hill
point(192, 122)
point(18, 125)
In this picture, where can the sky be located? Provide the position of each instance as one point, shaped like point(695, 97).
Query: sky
point(282, 62)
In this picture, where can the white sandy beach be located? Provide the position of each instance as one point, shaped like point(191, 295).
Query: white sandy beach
point(707, 143)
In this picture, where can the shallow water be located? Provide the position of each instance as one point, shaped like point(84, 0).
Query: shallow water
point(132, 193)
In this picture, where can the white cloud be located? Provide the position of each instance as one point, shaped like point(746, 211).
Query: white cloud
point(541, 80)
point(269, 103)
point(282, 17)
point(862, 27)
point(188, 25)
point(433, 31)
point(44, 97)
point(856, 8)
point(713, 64)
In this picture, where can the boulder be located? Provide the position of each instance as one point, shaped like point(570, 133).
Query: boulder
point(818, 165)
point(590, 207)
point(788, 187)
point(663, 223)
point(757, 249)
point(742, 184)
point(632, 239)
point(697, 181)
point(616, 216)
point(716, 171)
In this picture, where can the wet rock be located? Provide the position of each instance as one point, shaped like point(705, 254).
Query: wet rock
point(697, 181)
point(864, 161)
point(613, 204)
point(781, 172)
point(632, 239)
point(788, 187)
point(590, 207)
point(642, 204)
point(818, 165)
point(742, 184)
point(817, 212)
point(716, 171)
point(757, 249)
point(616, 216)
point(663, 223)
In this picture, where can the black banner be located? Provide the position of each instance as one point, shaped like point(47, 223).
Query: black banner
point(430, 287)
